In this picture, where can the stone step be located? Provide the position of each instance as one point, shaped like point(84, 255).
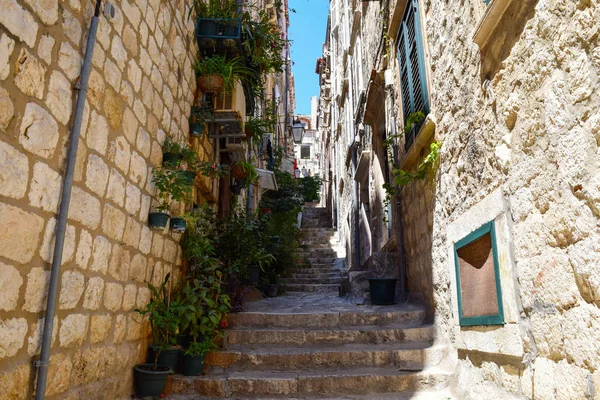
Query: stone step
point(313, 275)
point(420, 395)
point(317, 245)
point(318, 260)
point(324, 252)
point(262, 384)
point(404, 356)
point(313, 270)
point(360, 334)
point(369, 315)
point(324, 230)
point(313, 287)
point(313, 280)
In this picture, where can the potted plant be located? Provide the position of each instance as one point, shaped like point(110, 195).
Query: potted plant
point(382, 291)
point(255, 128)
point(197, 122)
point(174, 153)
point(263, 40)
point(171, 185)
point(193, 357)
point(216, 74)
point(151, 378)
point(245, 173)
point(217, 19)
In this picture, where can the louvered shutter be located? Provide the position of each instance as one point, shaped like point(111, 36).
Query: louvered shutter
point(413, 81)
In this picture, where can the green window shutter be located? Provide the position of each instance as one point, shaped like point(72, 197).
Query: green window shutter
point(413, 79)
point(487, 2)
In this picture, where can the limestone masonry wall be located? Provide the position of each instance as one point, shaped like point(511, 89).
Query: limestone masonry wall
point(141, 88)
point(526, 146)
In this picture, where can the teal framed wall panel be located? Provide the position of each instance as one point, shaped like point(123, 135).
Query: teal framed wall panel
point(491, 319)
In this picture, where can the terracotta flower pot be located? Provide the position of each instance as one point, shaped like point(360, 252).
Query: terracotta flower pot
point(211, 83)
point(238, 172)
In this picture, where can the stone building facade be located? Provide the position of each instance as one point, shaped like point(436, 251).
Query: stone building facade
point(512, 95)
point(141, 88)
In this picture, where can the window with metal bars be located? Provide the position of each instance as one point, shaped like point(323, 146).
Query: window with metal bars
point(413, 80)
point(305, 152)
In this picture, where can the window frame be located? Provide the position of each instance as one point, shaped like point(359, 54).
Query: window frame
point(303, 147)
point(408, 109)
point(497, 319)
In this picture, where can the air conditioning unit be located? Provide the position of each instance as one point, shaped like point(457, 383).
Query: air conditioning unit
point(234, 144)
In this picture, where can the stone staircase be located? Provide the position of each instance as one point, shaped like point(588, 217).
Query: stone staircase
point(318, 269)
point(313, 344)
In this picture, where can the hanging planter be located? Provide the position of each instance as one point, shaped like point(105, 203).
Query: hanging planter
point(178, 224)
point(197, 128)
point(211, 83)
point(158, 220)
point(150, 381)
point(171, 158)
point(382, 291)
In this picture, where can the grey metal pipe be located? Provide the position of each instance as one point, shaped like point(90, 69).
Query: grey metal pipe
point(61, 223)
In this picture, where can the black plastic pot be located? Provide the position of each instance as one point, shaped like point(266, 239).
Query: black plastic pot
point(172, 158)
point(158, 220)
point(178, 224)
point(184, 340)
point(382, 290)
point(253, 275)
point(272, 290)
point(240, 181)
point(236, 189)
point(197, 129)
point(192, 365)
point(150, 382)
point(168, 357)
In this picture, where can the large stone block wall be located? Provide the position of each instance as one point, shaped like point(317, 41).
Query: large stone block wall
point(140, 91)
point(532, 134)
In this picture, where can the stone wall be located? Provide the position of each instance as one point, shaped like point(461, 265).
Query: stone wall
point(141, 88)
point(532, 135)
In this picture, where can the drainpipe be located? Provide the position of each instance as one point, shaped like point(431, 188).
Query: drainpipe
point(356, 214)
point(61, 223)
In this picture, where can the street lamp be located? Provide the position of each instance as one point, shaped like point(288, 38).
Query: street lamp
point(297, 131)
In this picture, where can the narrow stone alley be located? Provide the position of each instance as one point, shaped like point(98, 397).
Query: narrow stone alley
point(319, 345)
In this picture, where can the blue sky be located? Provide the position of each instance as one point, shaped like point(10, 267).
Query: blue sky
point(307, 30)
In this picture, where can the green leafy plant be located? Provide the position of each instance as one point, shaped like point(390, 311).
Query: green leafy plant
point(310, 187)
point(172, 185)
point(230, 70)
point(245, 170)
point(188, 155)
point(201, 348)
point(263, 40)
point(212, 170)
point(205, 302)
point(414, 120)
point(403, 178)
point(163, 316)
point(226, 9)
